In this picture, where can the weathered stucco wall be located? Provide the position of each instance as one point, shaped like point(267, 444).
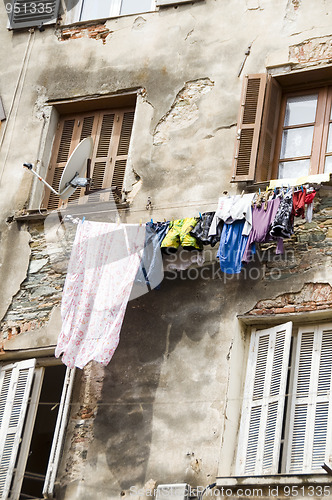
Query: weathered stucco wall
point(159, 411)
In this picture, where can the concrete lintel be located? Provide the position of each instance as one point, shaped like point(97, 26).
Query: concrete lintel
point(275, 319)
point(273, 480)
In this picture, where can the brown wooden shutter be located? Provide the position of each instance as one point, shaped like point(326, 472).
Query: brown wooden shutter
point(110, 153)
point(249, 126)
point(111, 132)
point(87, 129)
point(71, 130)
point(61, 151)
point(269, 130)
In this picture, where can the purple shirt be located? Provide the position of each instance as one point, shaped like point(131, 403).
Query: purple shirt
point(261, 222)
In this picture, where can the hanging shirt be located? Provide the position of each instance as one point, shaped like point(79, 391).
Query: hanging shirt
point(232, 209)
point(262, 219)
point(150, 273)
point(282, 225)
point(102, 267)
point(309, 201)
point(298, 202)
point(232, 246)
point(202, 228)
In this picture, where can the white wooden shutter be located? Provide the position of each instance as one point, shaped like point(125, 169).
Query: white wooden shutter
point(15, 386)
point(263, 401)
point(26, 14)
point(310, 415)
point(27, 434)
point(59, 432)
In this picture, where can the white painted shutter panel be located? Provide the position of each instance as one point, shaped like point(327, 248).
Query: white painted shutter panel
point(59, 432)
point(263, 401)
point(27, 13)
point(15, 386)
point(161, 3)
point(311, 416)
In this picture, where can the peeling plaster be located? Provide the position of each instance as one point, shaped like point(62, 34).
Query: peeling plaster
point(14, 262)
point(41, 110)
point(184, 110)
point(99, 32)
point(139, 23)
point(312, 297)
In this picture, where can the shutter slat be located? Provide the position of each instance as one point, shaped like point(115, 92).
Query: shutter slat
point(86, 131)
point(320, 435)
point(65, 141)
point(119, 173)
point(87, 127)
point(249, 126)
point(269, 130)
point(28, 13)
point(53, 201)
point(264, 399)
point(126, 129)
point(310, 416)
point(105, 136)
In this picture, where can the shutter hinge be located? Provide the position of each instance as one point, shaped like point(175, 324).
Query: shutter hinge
point(238, 136)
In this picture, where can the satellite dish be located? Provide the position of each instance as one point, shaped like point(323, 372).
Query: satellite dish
point(74, 168)
point(70, 179)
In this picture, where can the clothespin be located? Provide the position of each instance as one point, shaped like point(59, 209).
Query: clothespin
point(200, 215)
point(118, 220)
point(259, 191)
point(242, 193)
point(151, 221)
point(83, 219)
point(164, 219)
point(140, 222)
point(302, 188)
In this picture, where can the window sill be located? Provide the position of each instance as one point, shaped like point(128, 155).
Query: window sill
point(282, 484)
point(102, 20)
point(75, 210)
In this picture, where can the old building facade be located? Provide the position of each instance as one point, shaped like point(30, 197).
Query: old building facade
point(171, 91)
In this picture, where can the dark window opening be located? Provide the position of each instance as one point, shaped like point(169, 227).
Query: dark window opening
point(42, 436)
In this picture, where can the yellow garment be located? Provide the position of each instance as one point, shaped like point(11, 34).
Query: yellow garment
point(178, 234)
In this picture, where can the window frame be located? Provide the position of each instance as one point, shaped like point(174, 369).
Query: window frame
point(32, 391)
point(114, 10)
point(115, 160)
point(321, 126)
point(256, 155)
point(291, 399)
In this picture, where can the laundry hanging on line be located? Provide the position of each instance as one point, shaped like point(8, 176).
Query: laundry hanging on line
point(107, 259)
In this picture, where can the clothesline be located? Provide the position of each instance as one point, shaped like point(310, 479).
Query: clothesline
point(107, 258)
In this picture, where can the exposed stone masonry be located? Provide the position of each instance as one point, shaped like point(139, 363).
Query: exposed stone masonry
point(39, 293)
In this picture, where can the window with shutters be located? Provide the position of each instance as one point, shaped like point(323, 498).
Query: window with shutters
point(286, 421)
point(34, 402)
point(282, 133)
point(90, 9)
point(26, 14)
point(87, 10)
point(111, 133)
